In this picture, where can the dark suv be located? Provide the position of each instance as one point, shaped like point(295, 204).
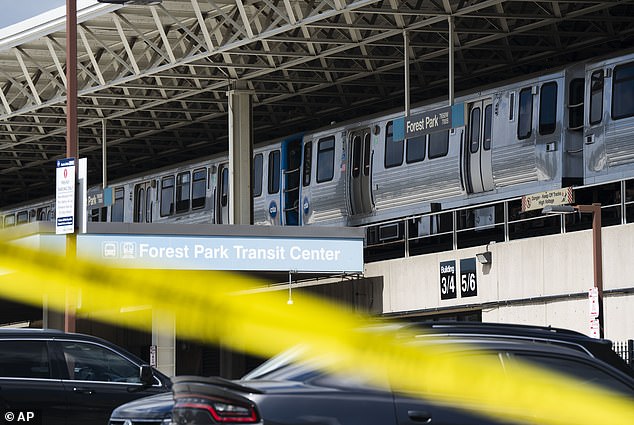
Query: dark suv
point(283, 391)
point(67, 378)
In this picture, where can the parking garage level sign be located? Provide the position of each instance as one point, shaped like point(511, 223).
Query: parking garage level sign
point(447, 280)
point(65, 196)
point(468, 278)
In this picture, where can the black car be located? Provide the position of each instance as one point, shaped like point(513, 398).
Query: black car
point(285, 391)
point(68, 378)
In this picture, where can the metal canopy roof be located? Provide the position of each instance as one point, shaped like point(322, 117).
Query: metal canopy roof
point(157, 76)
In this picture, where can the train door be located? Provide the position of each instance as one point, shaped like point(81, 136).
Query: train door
point(477, 149)
point(291, 188)
point(360, 172)
point(143, 201)
point(42, 214)
point(222, 198)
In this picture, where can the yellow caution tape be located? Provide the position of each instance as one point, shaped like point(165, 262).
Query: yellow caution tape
point(222, 307)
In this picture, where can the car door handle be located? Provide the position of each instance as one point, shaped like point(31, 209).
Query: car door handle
point(83, 390)
point(419, 416)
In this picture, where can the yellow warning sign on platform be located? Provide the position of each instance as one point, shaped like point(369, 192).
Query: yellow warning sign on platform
point(537, 201)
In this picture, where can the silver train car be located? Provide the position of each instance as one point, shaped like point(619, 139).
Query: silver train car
point(568, 127)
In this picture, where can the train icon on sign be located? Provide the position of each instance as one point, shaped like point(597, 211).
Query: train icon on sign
point(109, 249)
point(128, 250)
point(113, 249)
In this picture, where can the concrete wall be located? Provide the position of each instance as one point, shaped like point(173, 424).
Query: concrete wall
point(542, 280)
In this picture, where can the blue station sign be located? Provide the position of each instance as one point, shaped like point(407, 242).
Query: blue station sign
point(237, 253)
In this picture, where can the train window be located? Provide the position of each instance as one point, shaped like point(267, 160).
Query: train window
point(415, 150)
point(512, 106)
point(41, 214)
point(224, 187)
point(325, 159)
point(366, 154)
point(548, 108)
point(256, 182)
point(95, 214)
point(474, 130)
point(488, 117)
point(393, 148)
point(182, 192)
point(308, 162)
point(438, 144)
point(9, 220)
point(139, 203)
point(116, 211)
point(274, 172)
point(103, 214)
point(596, 97)
point(356, 156)
point(623, 91)
point(525, 115)
point(167, 196)
point(575, 104)
point(148, 205)
point(199, 188)
point(23, 217)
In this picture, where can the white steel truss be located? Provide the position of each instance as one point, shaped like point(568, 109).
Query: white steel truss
point(158, 75)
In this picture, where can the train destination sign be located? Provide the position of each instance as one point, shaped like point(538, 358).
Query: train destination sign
point(99, 199)
point(237, 253)
point(419, 124)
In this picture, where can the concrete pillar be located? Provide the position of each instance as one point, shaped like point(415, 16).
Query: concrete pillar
point(232, 363)
point(51, 319)
point(164, 341)
point(240, 154)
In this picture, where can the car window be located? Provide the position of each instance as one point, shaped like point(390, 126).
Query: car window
point(91, 362)
point(24, 359)
point(591, 373)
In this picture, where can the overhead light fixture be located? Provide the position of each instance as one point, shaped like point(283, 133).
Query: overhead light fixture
point(133, 2)
point(484, 257)
point(558, 209)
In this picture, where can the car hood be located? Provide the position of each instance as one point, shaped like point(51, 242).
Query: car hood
point(153, 407)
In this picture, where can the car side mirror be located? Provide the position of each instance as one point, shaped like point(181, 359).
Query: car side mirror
point(146, 375)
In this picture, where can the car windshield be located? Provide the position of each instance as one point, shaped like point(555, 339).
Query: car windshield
point(286, 366)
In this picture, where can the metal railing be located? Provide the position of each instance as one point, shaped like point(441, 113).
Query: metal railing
point(501, 221)
point(625, 349)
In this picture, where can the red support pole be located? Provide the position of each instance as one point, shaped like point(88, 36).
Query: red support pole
point(71, 78)
point(71, 135)
point(597, 256)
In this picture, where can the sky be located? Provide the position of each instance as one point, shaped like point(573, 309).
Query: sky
point(14, 11)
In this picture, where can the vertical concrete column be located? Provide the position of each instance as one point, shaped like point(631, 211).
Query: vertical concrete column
point(240, 154)
point(51, 319)
point(164, 339)
point(232, 363)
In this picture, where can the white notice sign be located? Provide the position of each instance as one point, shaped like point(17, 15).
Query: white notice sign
point(595, 328)
point(593, 298)
point(65, 196)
